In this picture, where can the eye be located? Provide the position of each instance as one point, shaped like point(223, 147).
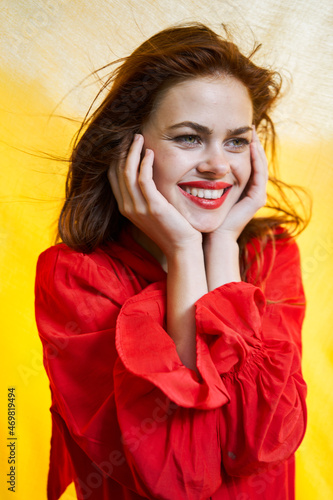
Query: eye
point(188, 140)
point(238, 144)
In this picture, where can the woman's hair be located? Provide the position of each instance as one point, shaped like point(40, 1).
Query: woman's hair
point(90, 215)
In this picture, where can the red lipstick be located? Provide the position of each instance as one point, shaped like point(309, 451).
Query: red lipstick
point(206, 184)
point(206, 203)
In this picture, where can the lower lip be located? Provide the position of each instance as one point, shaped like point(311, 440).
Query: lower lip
point(203, 202)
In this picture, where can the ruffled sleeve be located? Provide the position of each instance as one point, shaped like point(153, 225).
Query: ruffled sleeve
point(120, 387)
point(147, 351)
point(255, 344)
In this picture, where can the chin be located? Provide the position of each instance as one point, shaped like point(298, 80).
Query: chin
point(207, 228)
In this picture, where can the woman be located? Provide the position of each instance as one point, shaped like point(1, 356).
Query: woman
point(170, 316)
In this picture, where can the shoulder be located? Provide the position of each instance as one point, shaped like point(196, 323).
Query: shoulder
point(276, 269)
point(282, 250)
point(61, 255)
point(60, 264)
point(49, 258)
point(271, 255)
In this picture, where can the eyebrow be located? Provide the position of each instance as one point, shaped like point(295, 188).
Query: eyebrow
point(205, 130)
point(239, 131)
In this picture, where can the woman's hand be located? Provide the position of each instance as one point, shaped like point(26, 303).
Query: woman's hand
point(220, 246)
point(140, 201)
point(253, 197)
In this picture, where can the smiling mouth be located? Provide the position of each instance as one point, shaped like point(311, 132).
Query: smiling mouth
point(207, 194)
point(205, 198)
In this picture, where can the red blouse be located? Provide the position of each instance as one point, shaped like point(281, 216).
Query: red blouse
point(130, 421)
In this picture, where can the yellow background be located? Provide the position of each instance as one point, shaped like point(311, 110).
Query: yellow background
point(47, 48)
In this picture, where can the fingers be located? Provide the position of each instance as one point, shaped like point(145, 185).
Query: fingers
point(132, 180)
point(123, 178)
point(128, 169)
point(256, 189)
point(259, 160)
point(127, 173)
point(147, 185)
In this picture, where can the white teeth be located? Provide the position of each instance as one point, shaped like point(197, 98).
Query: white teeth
point(208, 194)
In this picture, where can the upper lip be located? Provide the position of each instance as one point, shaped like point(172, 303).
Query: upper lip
point(206, 184)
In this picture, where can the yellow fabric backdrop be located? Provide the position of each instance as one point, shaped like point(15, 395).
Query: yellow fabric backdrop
point(47, 48)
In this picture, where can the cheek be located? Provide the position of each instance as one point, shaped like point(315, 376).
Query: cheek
point(167, 167)
point(242, 170)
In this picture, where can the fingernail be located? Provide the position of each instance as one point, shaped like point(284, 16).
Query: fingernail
point(137, 137)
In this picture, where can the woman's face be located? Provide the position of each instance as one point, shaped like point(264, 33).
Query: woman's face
point(200, 134)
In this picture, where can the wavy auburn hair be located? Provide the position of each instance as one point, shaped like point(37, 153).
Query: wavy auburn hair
point(90, 215)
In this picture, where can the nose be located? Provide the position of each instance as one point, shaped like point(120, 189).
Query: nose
point(215, 162)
